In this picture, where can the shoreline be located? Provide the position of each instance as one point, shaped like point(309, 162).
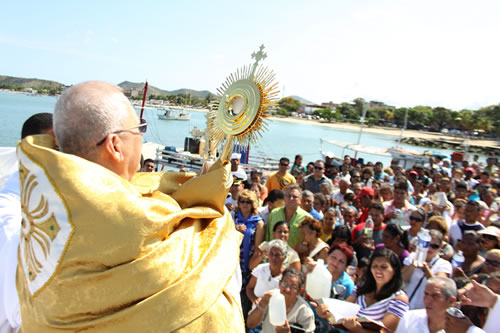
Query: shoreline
point(390, 131)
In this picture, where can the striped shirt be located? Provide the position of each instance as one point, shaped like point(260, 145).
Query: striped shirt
point(377, 311)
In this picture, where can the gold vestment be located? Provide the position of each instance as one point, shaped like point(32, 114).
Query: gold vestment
point(101, 254)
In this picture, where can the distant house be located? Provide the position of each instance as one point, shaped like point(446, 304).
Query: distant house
point(377, 104)
point(310, 108)
point(30, 91)
point(331, 105)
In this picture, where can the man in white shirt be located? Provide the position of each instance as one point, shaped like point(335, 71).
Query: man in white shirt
point(440, 294)
point(472, 210)
point(344, 185)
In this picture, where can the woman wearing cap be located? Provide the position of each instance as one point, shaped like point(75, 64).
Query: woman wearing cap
point(266, 277)
point(492, 262)
point(416, 276)
point(489, 239)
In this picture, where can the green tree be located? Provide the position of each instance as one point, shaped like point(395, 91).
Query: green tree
point(289, 104)
point(327, 113)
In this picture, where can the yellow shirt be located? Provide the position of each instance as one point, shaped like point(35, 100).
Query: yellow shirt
point(276, 182)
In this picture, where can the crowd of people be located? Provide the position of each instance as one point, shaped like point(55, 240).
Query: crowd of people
point(370, 224)
point(89, 244)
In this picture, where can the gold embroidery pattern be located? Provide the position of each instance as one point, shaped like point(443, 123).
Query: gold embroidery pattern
point(39, 229)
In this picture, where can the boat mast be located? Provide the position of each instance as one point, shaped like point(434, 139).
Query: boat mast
point(404, 127)
point(362, 119)
point(144, 98)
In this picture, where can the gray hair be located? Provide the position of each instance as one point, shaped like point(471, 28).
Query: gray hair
point(436, 234)
point(295, 273)
point(86, 113)
point(279, 244)
point(448, 286)
point(307, 193)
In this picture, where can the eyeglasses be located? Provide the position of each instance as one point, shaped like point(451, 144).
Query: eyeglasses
point(284, 164)
point(418, 219)
point(142, 127)
point(435, 246)
point(318, 167)
point(492, 262)
point(276, 254)
point(490, 237)
point(291, 286)
point(248, 202)
point(291, 196)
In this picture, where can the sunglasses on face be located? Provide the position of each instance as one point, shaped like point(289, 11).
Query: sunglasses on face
point(435, 246)
point(492, 262)
point(418, 219)
point(284, 164)
point(489, 237)
point(248, 202)
point(318, 167)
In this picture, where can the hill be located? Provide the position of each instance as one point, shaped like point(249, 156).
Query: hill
point(152, 90)
point(28, 82)
point(301, 100)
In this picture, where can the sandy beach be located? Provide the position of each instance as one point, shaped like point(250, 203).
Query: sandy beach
point(389, 131)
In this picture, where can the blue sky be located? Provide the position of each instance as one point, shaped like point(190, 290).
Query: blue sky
point(404, 53)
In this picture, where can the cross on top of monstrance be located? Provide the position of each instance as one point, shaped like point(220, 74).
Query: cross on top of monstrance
point(245, 97)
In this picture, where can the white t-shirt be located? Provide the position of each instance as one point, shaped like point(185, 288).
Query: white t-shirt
point(439, 265)
point(414, 321)
point(300, 314)
point(455, 233)
point(265, 281)
point(339, 197)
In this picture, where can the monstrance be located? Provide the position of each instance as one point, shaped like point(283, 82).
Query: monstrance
point(245, 98)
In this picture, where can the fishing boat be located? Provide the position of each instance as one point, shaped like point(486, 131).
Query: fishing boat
point(170, 113)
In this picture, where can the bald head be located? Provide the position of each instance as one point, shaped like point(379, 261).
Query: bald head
point(95, 121)
point(86, 113)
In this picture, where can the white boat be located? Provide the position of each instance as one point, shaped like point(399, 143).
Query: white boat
point(169, 113)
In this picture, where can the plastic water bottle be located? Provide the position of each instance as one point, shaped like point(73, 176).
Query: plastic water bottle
point(369, 227)
point(340, 218)
point(319, 281)
point(458, 259)
point(277, 309)
point(424, 240)
point(400, 219)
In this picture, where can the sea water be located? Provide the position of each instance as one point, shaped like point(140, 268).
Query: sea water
point(280, 139)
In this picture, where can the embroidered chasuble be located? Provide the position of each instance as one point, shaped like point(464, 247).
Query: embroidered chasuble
point(101, 254)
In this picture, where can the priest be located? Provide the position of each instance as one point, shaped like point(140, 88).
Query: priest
point(104, 249)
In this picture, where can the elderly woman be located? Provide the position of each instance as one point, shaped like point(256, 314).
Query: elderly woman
point(250, 224)
point(379, 295)
point(266, 277)
point(298, 312)
point(280, 231)
point(416, 276)
point(312, 247)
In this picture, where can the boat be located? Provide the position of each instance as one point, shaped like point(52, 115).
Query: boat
point(407, 158)
point(170, 113)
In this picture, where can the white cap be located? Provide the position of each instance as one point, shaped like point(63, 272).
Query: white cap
point(235, 156)
point(330, 155)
